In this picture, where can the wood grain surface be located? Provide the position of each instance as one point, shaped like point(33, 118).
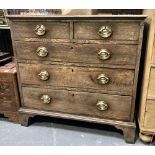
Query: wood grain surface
point(80, 77)
point(5, 95)
point(9, 94)
point(73, 65)
point(79, 103)
point(54, 30)
point(78, 53)
point(120, 31)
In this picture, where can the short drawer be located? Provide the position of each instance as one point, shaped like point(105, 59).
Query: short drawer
point(41, 29)
point(100, 79)
point(116, 30)
point(78, 103)
point(78, 53)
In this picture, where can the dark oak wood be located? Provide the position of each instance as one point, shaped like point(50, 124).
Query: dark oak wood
point(79, 77)
point(54, 30)
point(128, 128)
point(12, 116)
point(73, 66)
point(78, 53)
point(82, 41)
point(48, 62)
point(120, 31)
point(9, 95)
point(5, 95)
point(78, 103)
point(128, 132)
point(127, 18)
point(24, 119)
point(137, 71)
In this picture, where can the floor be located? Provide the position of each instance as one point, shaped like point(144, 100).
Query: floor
point(58, 132)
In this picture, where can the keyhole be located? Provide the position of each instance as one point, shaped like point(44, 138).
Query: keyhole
point(72, 70)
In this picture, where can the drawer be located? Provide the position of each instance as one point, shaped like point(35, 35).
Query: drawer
point(101, 79)
point(78, 103)
point(150, 114)
point(151, 87)
point(49, 30)
point(116, 30)
point(78, 53)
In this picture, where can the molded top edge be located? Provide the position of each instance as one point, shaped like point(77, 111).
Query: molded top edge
point(104, 17)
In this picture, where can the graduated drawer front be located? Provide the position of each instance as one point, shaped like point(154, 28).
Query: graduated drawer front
point(54, 30)
point(78, 53)
point(120, 30)
point(78, 103)
point(79, 77)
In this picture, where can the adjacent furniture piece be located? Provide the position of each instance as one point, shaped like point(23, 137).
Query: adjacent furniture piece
point(79, 67)
point(2, 18)
point(120, 11)
point(5, 41)
point(9, 95)
point(4, 58)
point(147, 103)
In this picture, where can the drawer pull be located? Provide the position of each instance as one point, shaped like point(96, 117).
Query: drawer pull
point(40, 30)
point(42, 51)
point(44, 75)
point(46, 99)
point(102, 79)
point(101, 105)
point(105, 31)
point(104, 54)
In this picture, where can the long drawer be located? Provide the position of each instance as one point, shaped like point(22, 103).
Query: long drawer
point(49, 30)
point(78, 103)
point(101, 79)
point(78, 53)
point(118, 30)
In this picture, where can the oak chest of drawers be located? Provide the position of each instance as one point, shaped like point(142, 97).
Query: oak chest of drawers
point(79, 67)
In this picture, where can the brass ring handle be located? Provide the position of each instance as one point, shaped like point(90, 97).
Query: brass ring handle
point(105, 31)
point(42, 51)
point(44, 75)
point(102, 79)
point(46, 99)
point(102, 105)
point(40, 30)
point(104, 54)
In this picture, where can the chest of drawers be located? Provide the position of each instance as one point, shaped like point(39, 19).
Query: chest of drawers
point(79, 67)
